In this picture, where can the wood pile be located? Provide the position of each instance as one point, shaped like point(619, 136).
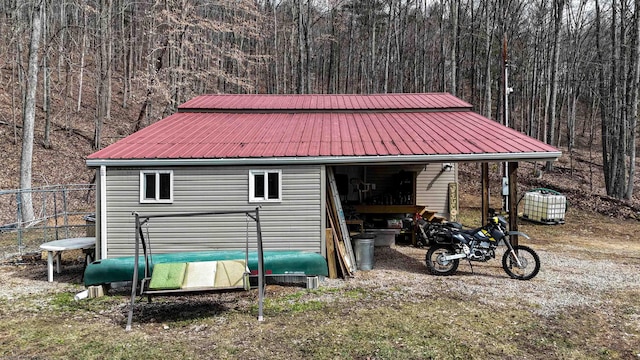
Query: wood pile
point(338, 239)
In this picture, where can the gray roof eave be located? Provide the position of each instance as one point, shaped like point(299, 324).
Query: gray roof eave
point(331, 160)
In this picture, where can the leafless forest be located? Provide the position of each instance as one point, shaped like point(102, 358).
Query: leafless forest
point(94, 71)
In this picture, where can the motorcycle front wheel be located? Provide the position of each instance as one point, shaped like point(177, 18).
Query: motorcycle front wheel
point(529, 263)
point(436, 263)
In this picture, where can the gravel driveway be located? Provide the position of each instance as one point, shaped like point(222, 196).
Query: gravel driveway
point(566, 278)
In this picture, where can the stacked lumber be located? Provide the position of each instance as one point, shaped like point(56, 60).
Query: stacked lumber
point(338, 241)
point(331, 254)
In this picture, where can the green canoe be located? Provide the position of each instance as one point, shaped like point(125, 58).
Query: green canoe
point(276, 263)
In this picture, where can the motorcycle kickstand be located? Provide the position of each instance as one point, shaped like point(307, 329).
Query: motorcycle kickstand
point(470, 265)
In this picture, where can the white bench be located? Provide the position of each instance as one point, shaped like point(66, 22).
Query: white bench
point(55, 249)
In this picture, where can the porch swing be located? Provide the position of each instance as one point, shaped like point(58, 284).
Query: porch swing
point(194, 277)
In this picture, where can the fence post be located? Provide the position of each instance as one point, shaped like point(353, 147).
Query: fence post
point(55, 212)
point(19, 219)
point(44, 215)
point(66, 214)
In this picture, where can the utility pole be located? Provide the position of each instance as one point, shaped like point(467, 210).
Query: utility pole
point(505, 121)
point(510, 174)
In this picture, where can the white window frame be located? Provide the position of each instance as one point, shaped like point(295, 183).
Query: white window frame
point(265, 198)
point(156, 200)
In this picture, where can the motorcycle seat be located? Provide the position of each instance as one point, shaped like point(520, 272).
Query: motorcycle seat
point(453, 225)
point(470, 231)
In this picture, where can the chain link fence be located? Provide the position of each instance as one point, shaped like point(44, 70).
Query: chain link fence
point(60, 212)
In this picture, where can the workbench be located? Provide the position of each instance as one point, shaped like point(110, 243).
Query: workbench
point(397, 209)
point(394, 209)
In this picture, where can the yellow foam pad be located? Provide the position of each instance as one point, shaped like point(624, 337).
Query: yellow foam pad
point(230, 273)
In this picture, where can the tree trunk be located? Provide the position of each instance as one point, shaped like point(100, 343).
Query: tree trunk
point(307, 48)
point(487, 66)
point(633, 119)
point(103, 103)
point(623, 107)
point(348, 77)
point(46, 82)
point(443, 85)
point(28, 120)
point(276, 45)
point(551, 124)
point(387, 48)
point(46, 102)
point(608, 94)
point(454, 46)
point(126, 54)
point(300, 83)
point(534, 93)
point(83, 47)
point(371, 85)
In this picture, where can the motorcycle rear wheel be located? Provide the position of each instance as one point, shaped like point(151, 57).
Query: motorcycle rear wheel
point(529, 260)
point(437, 265)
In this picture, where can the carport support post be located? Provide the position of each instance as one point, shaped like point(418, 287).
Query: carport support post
point(485, 192)
point(513, 201)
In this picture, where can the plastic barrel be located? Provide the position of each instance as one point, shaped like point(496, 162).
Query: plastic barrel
point(364, 252)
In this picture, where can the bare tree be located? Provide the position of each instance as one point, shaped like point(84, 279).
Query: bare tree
point(103, 86)
point(83, 49)
point(634, 84)
point(455, 5)
point(489, 30)
point(28, 119)
point(46, 82)
point(558, 7)
point(302, 60)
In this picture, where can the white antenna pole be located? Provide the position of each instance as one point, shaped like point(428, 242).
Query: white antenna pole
point(507, 91)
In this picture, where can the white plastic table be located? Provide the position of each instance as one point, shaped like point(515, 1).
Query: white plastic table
point(55, 248)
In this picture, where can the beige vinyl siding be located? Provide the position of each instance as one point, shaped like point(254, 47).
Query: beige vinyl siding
point(293, 224)
point(432, 187)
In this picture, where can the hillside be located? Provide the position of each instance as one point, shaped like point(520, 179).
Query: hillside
point(71, 138)
point(579, 178)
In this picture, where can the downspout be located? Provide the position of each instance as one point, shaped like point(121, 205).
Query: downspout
point(103, 212)
point(323, 211)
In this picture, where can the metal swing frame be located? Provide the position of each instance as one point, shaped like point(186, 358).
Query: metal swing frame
point(141, 220)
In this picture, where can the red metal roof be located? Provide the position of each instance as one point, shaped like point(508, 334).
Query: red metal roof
point(450, 131)
point(221, 103)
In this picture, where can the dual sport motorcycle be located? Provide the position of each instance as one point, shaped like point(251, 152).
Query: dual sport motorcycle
point(450, 243)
